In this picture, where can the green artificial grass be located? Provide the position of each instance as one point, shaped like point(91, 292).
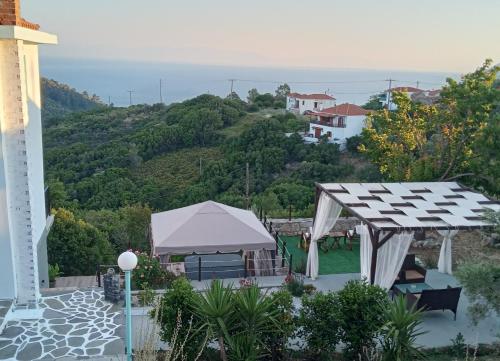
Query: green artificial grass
point(339, 260)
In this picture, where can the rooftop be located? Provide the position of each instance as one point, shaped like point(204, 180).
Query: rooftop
point(10, 14)
point(413, 205)
point(311, 96)
point(344, 109)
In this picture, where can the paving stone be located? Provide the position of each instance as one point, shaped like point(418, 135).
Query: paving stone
point(8, 352)
point(93, 351)
point(95, 343)
point(55, 304)
point(114, 347)
point(11, 332)
point(58, 352)
point(78, 320)
point(76, 341)
point(62, 329)
point(57, 321)
point(32, 351)
point(50, 314)
point(79, 332)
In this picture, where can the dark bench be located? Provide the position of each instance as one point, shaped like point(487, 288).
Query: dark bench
point(411, 272)
point(436, 299)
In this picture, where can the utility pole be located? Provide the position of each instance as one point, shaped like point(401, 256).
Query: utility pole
point(130, 95)
point(389, 93)
point(232, 85)
point(161, 96)
point(248, 185)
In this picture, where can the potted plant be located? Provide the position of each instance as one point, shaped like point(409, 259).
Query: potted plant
point(54, 272)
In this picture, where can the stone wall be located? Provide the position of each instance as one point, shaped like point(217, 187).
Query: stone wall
point(298, 225)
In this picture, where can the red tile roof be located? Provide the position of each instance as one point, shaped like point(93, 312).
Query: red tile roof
point(344, 109)
point(10, 14)
point(311, 96)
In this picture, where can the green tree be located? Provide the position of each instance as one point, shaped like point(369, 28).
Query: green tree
point(481, 281)
point(282, 91)
point(374, 102)
point(76, 246)
point(453, 139)
point(252, 95)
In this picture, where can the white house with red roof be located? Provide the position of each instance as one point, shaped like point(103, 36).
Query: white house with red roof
point(415, 94)
point(302, 103)
point(338, 123)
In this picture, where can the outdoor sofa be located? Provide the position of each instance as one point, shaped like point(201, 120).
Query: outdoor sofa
point(411, 272)
point(435, 299)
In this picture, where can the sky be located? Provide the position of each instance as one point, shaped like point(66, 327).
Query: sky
point(423, 35)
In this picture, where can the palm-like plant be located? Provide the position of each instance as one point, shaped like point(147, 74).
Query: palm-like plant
point(216, 309)
point(400, 332)
point(257, 315)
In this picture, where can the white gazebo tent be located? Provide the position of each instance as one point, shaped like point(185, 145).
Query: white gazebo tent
point(209, 228)
point(390, 214)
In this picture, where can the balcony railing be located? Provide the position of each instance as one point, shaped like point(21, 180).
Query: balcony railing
point(332, 124)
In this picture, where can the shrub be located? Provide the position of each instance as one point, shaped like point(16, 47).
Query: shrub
point(150, 272)
point(301, 267)
point(360, 309)
point(276, 338)
point(458, 346)
point(54, 272)
point(146, 295)
point(177, 302)
point(319, 325)
point(399, 334)
point(294, 285)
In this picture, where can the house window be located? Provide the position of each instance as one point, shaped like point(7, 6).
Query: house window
point(315, 104)
point(303, 102)
point(341, 122)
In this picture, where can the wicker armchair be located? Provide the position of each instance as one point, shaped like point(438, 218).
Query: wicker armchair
point(439, 299)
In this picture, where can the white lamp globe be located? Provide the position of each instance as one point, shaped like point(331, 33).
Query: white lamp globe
point(127, 261)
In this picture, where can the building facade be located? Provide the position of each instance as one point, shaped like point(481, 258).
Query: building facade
point(303, 103)
point(337, 123)
point(24, 221)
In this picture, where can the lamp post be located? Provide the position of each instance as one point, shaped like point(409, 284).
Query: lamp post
point(127, 262)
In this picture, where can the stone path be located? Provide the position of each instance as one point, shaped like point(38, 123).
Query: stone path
point(78, 324)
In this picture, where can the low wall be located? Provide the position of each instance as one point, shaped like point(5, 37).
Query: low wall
point(298, 225)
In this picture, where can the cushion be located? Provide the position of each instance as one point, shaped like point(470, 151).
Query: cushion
point(412, 274)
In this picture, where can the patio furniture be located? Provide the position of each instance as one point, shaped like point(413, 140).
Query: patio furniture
point(414, 288)
point(435, 299)
point(410, 272)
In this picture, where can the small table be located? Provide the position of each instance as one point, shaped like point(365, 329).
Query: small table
point(403, 288)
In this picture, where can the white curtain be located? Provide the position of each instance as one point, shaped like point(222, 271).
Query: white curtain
point(390, 258)
point(444, 264)
point(263, 263)
point(327, 213)
point(365, 251)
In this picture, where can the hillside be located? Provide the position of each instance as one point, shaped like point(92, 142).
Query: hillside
point(59, 99)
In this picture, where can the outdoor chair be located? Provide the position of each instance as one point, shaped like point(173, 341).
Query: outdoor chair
point(435, 299)
point(410, 271)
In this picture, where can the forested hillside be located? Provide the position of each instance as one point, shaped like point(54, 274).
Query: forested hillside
point(59, 99)
point(112, 166)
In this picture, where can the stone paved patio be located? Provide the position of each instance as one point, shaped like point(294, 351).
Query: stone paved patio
point(78, 324)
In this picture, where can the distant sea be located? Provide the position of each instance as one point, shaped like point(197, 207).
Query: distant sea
point(111, 80)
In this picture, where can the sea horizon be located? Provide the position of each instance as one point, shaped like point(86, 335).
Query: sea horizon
point(112, 80)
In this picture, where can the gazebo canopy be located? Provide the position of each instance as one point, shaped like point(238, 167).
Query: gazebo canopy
point(392, 212)
point(208, 227)
point(412, 205)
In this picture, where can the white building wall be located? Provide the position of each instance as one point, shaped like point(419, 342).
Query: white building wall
point(22, 169)
point(308, 104)
point(354, 126)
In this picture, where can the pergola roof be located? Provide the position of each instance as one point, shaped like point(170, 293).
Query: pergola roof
point(412, 205)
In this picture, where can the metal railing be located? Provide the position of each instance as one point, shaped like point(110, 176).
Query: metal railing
point(329, 124)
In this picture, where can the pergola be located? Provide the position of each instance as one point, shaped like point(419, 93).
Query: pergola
point(389, 210)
